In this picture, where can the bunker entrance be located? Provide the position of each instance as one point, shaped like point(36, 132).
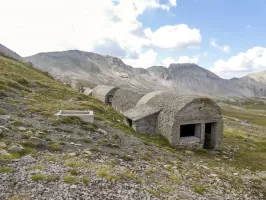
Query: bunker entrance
point(209, 131)
point(129, 122)
point(190, 130)
point(109, 99)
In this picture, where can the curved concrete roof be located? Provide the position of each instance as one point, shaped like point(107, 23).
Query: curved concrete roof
point(171, 101)
point(88, 91)
point(103, 89)
point(125, 99)
point(148, 97)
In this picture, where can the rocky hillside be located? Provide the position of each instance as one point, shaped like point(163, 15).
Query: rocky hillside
point(179, 78)
point(259, 77)
point(42, 157)
point(4, 51)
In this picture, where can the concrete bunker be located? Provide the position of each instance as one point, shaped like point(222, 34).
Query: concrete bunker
point(124, 100)
point(104, 93)
point(187, 121)
point(87, 91)
point(143, 119)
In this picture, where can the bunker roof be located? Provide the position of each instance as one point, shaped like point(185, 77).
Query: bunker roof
point(140, 112)
point(103, 89)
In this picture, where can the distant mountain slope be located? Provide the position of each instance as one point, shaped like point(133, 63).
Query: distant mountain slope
point(259, 77)
point(179, 78)
point(4, 51)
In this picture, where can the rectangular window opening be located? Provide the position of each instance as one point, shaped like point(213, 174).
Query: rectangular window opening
point(188, 130)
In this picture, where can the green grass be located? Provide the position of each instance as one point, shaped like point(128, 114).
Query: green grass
point(2, 111)
point(251, 153)
point(38, 177)
point(6, 169)
point(71, 179)
point(52, 178)
point(55, 146)
point(199, 189)
point(85, 180)
point(36, 166)
point(245, 115)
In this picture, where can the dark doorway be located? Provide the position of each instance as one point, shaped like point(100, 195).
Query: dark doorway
point(109, 99)
point(129, 122)
point(209, 128)
point(187, 130)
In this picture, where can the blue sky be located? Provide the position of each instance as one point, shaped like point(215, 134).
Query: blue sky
point(239, 24)
point(224, 36)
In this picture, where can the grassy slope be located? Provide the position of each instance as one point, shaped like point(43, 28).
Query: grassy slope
point(244, 148)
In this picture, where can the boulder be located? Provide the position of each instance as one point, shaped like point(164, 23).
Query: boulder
point(102, 131)
point(38, 142)
point(2, 145)
point(15, 148)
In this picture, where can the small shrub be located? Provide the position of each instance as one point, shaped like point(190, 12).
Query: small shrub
point(34, 109)
point(85, 180)
point(47, 113)
point(73, 172)
point(85, 140)
point(154, 193)
point(174, 179)
point(71, 179)
point(24, 82)
point(55, 146)
point(199, 189)
point(6, 169)
point(89, 127)
point(52, 178)
point(18, 123)
point(2, 111)
point(37, 166)
point(106, 173)
point(37, 177)
point(150, 171)
point(146, 156)
point(127, 157)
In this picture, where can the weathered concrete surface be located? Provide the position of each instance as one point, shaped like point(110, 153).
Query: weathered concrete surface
point(124, 100)
point(88, 91)
point(179, 110)
point(85, 116)
point(143, 119)
point(148, 97)
point(104, 92)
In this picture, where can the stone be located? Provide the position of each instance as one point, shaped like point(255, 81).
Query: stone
point(72, 154)
point(28, 159)
point(88, 152)
point(21, 128)
point(15, 148)
point(189, 152)
point(102, 131)
point(38, 142)
point(73, 187)
point(4, 152)
point(2, 145)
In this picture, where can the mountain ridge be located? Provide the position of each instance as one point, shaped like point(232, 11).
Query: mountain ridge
point(185, 78)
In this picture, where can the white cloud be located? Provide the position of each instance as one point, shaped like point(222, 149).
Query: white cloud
point(225, 48)
point(167, 61)
point(32, 26)
point(177, 36)
point(186, 59)
point(172, 2)
point(182, 59)
point(145, 60)
point(245, 62)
